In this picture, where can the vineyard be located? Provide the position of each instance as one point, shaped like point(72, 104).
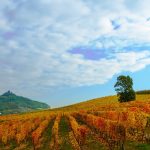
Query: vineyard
point(94, 125)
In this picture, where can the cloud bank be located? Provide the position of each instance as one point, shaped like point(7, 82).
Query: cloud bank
point(49, 43)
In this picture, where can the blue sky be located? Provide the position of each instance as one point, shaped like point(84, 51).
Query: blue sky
point(65, 51)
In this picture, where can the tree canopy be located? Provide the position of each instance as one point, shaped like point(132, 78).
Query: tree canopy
point(124, 88)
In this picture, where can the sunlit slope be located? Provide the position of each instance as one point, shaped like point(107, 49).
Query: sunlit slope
point(99, 124)
point(99, 102)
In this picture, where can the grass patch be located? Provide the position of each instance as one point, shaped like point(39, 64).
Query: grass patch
point(46, 137)
point(64, 130)
point(137, 146)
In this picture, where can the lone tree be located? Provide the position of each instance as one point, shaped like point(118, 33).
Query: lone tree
point(124, 89)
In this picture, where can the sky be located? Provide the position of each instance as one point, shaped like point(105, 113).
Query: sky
point(66, 51)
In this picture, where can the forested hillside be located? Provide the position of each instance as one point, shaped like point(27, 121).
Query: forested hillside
point(11, 103)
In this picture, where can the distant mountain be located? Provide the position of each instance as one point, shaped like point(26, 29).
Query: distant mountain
point(11, 103)
point(143, 92)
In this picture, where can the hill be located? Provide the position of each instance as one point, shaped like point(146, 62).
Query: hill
point(11, 103)
point(98, 124)
point(143, 92)
point(102, 101)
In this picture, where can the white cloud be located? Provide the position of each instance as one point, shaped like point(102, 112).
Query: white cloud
point(133, 61)
point(43, 32)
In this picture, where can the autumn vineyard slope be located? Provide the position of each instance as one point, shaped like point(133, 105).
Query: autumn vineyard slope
point(101, 124)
